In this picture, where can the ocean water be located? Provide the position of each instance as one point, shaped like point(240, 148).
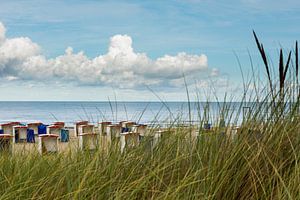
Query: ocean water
point(142, 112)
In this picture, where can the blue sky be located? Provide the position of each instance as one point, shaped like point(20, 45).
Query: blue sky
point(211, 28)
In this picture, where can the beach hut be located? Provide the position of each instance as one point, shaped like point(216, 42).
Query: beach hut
point(128, 139)
point(63, 133)
point(141, 129)
point(20, 134)
point(87, 137)
point(54, 129)
point(34, 126)
point(77, 125)
point(48, 143)
point(22, 139)
point(127, 126)
point(103, 136)
point(113, 131)
point(8, 127)
point(102, 127)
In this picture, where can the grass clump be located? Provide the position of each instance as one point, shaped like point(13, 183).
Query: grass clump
point(213, 166)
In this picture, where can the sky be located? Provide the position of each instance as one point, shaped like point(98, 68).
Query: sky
point(89, 50)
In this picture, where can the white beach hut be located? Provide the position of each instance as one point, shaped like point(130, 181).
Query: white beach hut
point(8, 127)
point(127, 126)
point(77, 127)
point(23, 139)
point(128, 139)
point(113, 132)
point(54, 129)
point(88, 139)
point(102, 127)
point(140, 128)
point(20, 134)
point(48, 143)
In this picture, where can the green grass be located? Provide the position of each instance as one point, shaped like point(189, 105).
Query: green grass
point(211, 167)
point(260, 162)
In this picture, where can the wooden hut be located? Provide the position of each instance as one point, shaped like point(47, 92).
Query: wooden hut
point(113, 132)
point(8, 127)
point(23, 139)
point(48, 143)
point(128, 139)
point(127, 126)
point(54, 129)
point(20, 134)
point(77, 125)
point(140, 128)
point(88, 139)
point(102, 127)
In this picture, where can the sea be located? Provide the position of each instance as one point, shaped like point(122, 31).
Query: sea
point(140, 112)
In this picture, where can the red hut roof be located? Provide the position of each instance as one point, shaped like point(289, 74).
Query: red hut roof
point(54, 126)
point(82, 123)
point(21, 127)
point(87, 125)
point(34, 123)
point(59, 123)
point(105, 123)
point(10, 124)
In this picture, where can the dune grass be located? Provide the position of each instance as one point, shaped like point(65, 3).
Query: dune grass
point(260, 162)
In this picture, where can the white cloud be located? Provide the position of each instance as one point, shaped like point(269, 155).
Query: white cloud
point(11, 78)
point(120, 67)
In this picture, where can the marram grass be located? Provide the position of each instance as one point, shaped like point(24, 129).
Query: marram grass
point(253, 165)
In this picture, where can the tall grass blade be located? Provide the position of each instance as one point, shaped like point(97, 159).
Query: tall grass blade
point(264, 58)
point(287, 65)
point(297, 60)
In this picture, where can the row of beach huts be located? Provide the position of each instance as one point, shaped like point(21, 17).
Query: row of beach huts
point(57, 137)
point(17, 137)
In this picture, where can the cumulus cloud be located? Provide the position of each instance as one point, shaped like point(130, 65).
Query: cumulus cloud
point(121, 66)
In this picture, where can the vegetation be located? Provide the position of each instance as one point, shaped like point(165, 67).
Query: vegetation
point(260, 162)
